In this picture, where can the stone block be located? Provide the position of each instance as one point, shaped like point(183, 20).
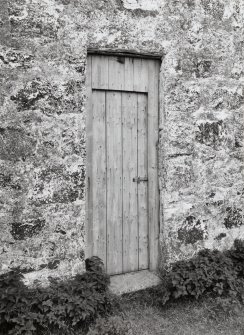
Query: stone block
point(142, 4)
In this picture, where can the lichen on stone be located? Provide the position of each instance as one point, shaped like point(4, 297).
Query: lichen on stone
point(211, 133)
point(191, 231)
point(220, 236)
point(23, 230)
point(234, 217)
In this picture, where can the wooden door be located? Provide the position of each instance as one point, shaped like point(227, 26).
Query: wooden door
point(122, 134)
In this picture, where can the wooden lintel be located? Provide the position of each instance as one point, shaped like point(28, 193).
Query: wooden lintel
point(125, 52)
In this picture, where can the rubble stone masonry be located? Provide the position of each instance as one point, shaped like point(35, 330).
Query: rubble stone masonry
point(43, 52)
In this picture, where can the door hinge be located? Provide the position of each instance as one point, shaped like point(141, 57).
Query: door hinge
point(139, 179)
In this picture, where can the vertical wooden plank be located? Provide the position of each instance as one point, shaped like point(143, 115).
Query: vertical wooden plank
point(140, 75)
point(114, 183)
point(116, 73)
point(129, 74)
point(153, 199)
point(130, 219)
point(99, 175)
point(143, 186)
point(89, 122)
point(100, 72)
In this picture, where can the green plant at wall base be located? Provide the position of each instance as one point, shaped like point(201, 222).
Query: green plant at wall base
point(64, 306)
point(237, 256)
point(221, 273)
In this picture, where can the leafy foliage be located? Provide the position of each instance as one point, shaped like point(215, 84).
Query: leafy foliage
point(221, 273)
point(237, 256)
point(64, 305)
point(115, 325)
point(94, 264)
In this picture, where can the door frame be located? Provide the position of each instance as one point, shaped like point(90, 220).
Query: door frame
point(153, 131)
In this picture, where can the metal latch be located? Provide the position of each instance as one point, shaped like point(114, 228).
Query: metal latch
point(139, 179)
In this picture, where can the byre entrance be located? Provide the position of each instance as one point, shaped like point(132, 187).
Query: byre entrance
point(122, 135)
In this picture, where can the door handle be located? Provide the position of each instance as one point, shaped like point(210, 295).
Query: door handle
point(139, 179)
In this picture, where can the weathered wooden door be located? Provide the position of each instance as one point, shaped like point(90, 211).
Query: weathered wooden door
point(122, 134)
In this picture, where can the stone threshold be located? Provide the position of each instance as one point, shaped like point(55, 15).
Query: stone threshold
point(133, 281)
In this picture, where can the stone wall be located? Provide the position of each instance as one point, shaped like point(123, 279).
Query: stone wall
point(42, 130)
